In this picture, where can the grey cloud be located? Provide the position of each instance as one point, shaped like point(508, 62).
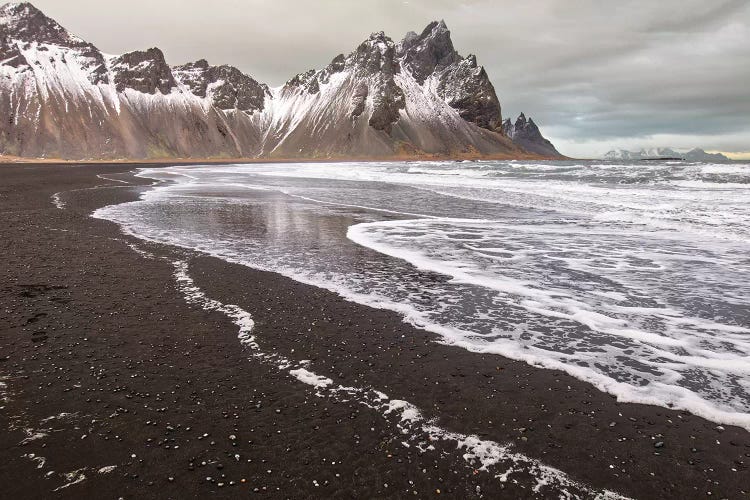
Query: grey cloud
point(715, 13)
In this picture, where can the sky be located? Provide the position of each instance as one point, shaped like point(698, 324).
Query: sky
point(595, 75)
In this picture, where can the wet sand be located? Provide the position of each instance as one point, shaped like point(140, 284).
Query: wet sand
point(470, 155)
point(111, 380)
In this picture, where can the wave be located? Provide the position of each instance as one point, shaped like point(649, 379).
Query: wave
point(639, 289)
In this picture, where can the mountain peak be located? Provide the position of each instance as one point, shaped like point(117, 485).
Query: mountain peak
point(26, 23)
point(22, 25)
point(200, 63)
point(430, 51)
point(17, 15)
point(17, 10)
point(435, 28)
point(378, 36)
point(375, 55)
point(227, 87)
point(143, 70)
point(526, 134)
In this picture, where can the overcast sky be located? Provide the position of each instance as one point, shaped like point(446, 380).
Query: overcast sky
point(594, 74)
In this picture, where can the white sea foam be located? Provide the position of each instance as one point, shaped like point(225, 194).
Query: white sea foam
point(34, 435)
point(59, 416)
point(105, 178)
point(40, 461)
point(72, 478)
point(57, 201)
point(634, 278)
point(487, 455)
point(3, 390)
point(307, 377)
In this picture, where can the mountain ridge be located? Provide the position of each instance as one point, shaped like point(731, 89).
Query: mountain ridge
point(417, 97)
point(526, 134)
point(695, 154)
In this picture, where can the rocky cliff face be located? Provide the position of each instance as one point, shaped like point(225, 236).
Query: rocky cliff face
point(527, 135)
point(63, 98)
point(463, 84)
point(226, 86)
point(144, 71)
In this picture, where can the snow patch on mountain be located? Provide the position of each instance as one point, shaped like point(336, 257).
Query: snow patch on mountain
point(695, 154)
point(65, 98)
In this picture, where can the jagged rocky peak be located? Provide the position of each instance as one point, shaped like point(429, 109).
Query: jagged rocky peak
point(373, 57)
point(375, 63)
point(377, 54)
point(510, 128)
point(143, 70)
point(371, 68)
point(337, 65)
point(463, 84)
point(429, 52)
point(526, 134)
point(308, 81)
point(26, 23)
point(226, 86)
point(523, 127)
point(507, 127)
point(467, 88)
point(23, 26)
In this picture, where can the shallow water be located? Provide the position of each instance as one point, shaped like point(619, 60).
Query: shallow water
point(635, 277)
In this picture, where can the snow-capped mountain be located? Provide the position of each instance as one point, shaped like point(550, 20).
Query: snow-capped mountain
point(62, 97)
point(696, 154)
point(526, 134)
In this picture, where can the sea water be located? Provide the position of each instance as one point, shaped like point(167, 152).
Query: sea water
point(634, 277)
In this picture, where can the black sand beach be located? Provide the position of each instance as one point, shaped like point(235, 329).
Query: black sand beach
point(115, 386)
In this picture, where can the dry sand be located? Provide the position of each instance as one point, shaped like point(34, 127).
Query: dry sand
point(111, 380)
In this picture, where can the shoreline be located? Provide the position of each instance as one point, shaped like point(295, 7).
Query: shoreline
point(546, 414)
point(18, 160)
point(622, 392)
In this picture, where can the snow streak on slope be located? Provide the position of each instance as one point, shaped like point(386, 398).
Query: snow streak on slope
point(66, 98)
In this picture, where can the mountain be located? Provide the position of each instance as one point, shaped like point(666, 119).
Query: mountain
point(416, 96)
point(696, 154)
point(526, 134)
point(64, 98)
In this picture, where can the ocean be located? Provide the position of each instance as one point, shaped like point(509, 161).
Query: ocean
point(633, 277)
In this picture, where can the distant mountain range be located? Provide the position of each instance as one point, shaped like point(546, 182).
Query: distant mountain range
point(653, 153)
point(60, 96)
